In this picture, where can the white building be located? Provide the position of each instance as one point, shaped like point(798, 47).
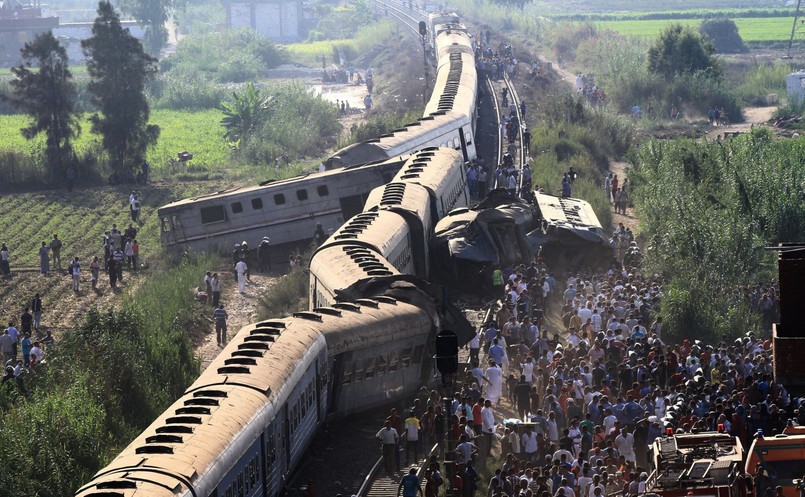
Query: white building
point(795, 84)
point(280, 20)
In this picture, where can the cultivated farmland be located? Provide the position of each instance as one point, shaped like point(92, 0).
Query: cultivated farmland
point(751, 29)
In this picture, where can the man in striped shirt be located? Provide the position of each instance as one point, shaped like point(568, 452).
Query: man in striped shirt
point(220, 316)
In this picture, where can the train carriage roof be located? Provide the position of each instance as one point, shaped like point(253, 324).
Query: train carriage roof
point(373, 229)
point(401, 196)
point(429, 168)
point(401, 141)
point(374, 166)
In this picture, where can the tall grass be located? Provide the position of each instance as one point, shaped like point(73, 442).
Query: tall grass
point(287, 296)
point(582, 137)
point(763, 80)
point(366, 37)
point(101, 384)
point(707, 209)
point(378, 124)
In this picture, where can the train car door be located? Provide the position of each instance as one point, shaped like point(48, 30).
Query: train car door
point(463, 144)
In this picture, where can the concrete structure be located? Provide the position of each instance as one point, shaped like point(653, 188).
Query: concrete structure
point(280, 20)
point(795, 84)
point(20, 24)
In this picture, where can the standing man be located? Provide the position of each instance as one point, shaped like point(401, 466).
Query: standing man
point(75, 272)
point(220, 316)
point(55, 247)
point(15, 338)
point(7, 346)
point(44, 259)
point(36, 309)
point(388, 437)
point(215, 287)
point(241, 269)
point(263, 258)
point(488, 426)
point(411, 436)
point(410, 484)
point(26, 321)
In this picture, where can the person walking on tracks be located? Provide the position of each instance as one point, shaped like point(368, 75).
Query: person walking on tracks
point(389, 437)
point(410, 484)
point(220, 316)
point(55, 247)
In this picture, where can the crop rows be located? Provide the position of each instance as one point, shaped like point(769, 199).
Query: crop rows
point(80, 218)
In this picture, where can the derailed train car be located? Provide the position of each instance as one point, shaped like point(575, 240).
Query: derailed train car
point(284, 210)
point(504, 230)
point(571, 235)
point(244, 424)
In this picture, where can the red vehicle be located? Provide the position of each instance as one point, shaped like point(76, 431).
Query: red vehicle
point(706, 464)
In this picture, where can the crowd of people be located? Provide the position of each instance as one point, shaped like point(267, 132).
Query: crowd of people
point(583, 403)
point(24, 348)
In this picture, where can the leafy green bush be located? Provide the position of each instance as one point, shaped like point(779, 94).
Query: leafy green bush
point(288, 295)
point(378, 124)
point(299, 124)
point(621, 67)
point(724, 34)
point(231, 56)
point(707, 209)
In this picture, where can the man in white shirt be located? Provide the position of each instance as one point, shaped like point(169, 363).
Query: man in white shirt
point(530, 446)
point(625, 445)
point(241, 268)
point(388, 436)
point(488, 425)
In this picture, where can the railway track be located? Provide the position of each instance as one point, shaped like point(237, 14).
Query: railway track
point(399, 11)
point(379, 484)
point(517, 151)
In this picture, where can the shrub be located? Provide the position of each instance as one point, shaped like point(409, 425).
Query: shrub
point(707, 209)
point(288, 295)
point(724, 34)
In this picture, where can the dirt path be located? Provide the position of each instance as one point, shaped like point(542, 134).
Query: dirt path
point(754, 116)
point(242, 310)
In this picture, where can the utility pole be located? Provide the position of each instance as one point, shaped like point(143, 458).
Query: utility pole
point(423, 33)
point(447, 364)
point(793, 29)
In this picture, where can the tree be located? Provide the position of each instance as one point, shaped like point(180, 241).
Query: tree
point(244, 115)
point(681, 50)
point(724, 34)
point(48, 96)
point(153, 14)
point(118, 68)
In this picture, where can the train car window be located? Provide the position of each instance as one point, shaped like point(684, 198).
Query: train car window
point(370, 368)
point(468, 138)
point(237, 208)
point(456, 143)
point(382, 364)
point(346, 376)
point(240, 484)
point(301, 194)
point(257, 203)
point(394, 361)
point(302, 406)
point(357, 374)
point(166, 225)
point(246, 478)
point(322, 190)
point(229, 491)
point(213, 214)
point(254, 471)
point(418, 354)
point(406, 357)
point(279, 199)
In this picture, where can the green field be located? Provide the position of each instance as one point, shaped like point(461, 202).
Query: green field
point(750, 28)
point(198, 132)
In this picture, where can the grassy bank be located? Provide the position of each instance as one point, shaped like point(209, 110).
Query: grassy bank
point(100, 386)
point(751, 29)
